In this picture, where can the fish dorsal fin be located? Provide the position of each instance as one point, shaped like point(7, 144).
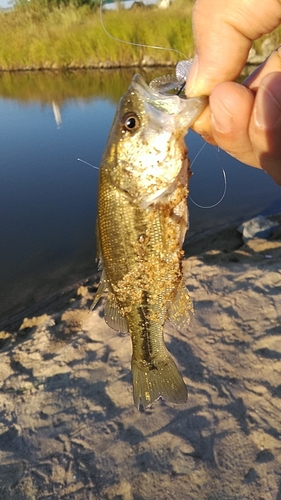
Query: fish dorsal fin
point(181, 308)
point(113, 315)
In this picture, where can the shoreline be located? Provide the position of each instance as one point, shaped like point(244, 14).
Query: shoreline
point(75, 37)
point(196, 245)
point(224, 239)
point(102, 65)
point(248, 68)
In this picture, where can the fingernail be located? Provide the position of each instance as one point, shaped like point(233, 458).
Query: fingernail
point(268, 106)
point(192, 76)
point(221, 115)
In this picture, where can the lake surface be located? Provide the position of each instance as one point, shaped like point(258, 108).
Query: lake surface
point(48, 199)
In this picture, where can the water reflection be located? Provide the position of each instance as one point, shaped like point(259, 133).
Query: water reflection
point(48, 198)
point(61, 86)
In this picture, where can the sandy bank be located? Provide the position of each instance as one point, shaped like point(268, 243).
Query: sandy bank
point(68, 426)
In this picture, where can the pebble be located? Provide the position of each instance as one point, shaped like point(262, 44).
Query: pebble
point(258, 227)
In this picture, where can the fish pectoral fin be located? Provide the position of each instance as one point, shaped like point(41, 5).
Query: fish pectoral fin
point(100, 291)
point(113, 315)
point(160, 380)
point(179, 312)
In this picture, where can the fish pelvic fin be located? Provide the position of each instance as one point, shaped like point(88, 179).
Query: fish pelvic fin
point(160, 379)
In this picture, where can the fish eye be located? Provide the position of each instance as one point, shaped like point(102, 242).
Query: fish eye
point(130, 121)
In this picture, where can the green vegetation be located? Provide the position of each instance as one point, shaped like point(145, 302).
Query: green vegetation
point(36, 35)
point(67, 34)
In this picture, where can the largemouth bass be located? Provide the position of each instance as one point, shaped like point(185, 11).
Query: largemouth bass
point(142, 221)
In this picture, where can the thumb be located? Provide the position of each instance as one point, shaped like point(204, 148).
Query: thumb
point(223, 32)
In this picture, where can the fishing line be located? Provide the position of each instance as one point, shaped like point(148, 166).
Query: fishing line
point(182, 87)
point(225, 183)
point(87, 163)
point(134, 43)
point(198, 153)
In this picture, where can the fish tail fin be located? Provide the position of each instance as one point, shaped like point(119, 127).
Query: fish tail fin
point(159, 380)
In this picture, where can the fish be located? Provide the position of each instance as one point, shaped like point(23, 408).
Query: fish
point(141, 225)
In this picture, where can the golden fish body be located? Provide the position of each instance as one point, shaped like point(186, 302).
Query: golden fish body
point(142, 220)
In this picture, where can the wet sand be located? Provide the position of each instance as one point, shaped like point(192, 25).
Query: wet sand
point(68, 426)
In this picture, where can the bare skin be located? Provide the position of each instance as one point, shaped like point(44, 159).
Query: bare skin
point(244, 120)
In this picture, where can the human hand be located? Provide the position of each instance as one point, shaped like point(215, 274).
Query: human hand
point(244, 120)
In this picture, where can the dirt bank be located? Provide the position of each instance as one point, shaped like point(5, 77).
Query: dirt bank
point(68, 426)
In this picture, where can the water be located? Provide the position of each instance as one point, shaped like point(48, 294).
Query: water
point(48, 199)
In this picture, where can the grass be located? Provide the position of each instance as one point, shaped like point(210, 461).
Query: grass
point(69, 37)
point(35, 37)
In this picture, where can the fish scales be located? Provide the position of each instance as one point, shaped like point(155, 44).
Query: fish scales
point(142, 220)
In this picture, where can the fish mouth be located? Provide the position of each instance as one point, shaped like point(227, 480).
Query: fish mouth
point(185, 111)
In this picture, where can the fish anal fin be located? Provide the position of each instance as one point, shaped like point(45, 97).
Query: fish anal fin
point(160, 380)
point(113, 315)
point(180, 310)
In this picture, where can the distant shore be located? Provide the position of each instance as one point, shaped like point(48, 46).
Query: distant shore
point(33, 37)
point(104, 65)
